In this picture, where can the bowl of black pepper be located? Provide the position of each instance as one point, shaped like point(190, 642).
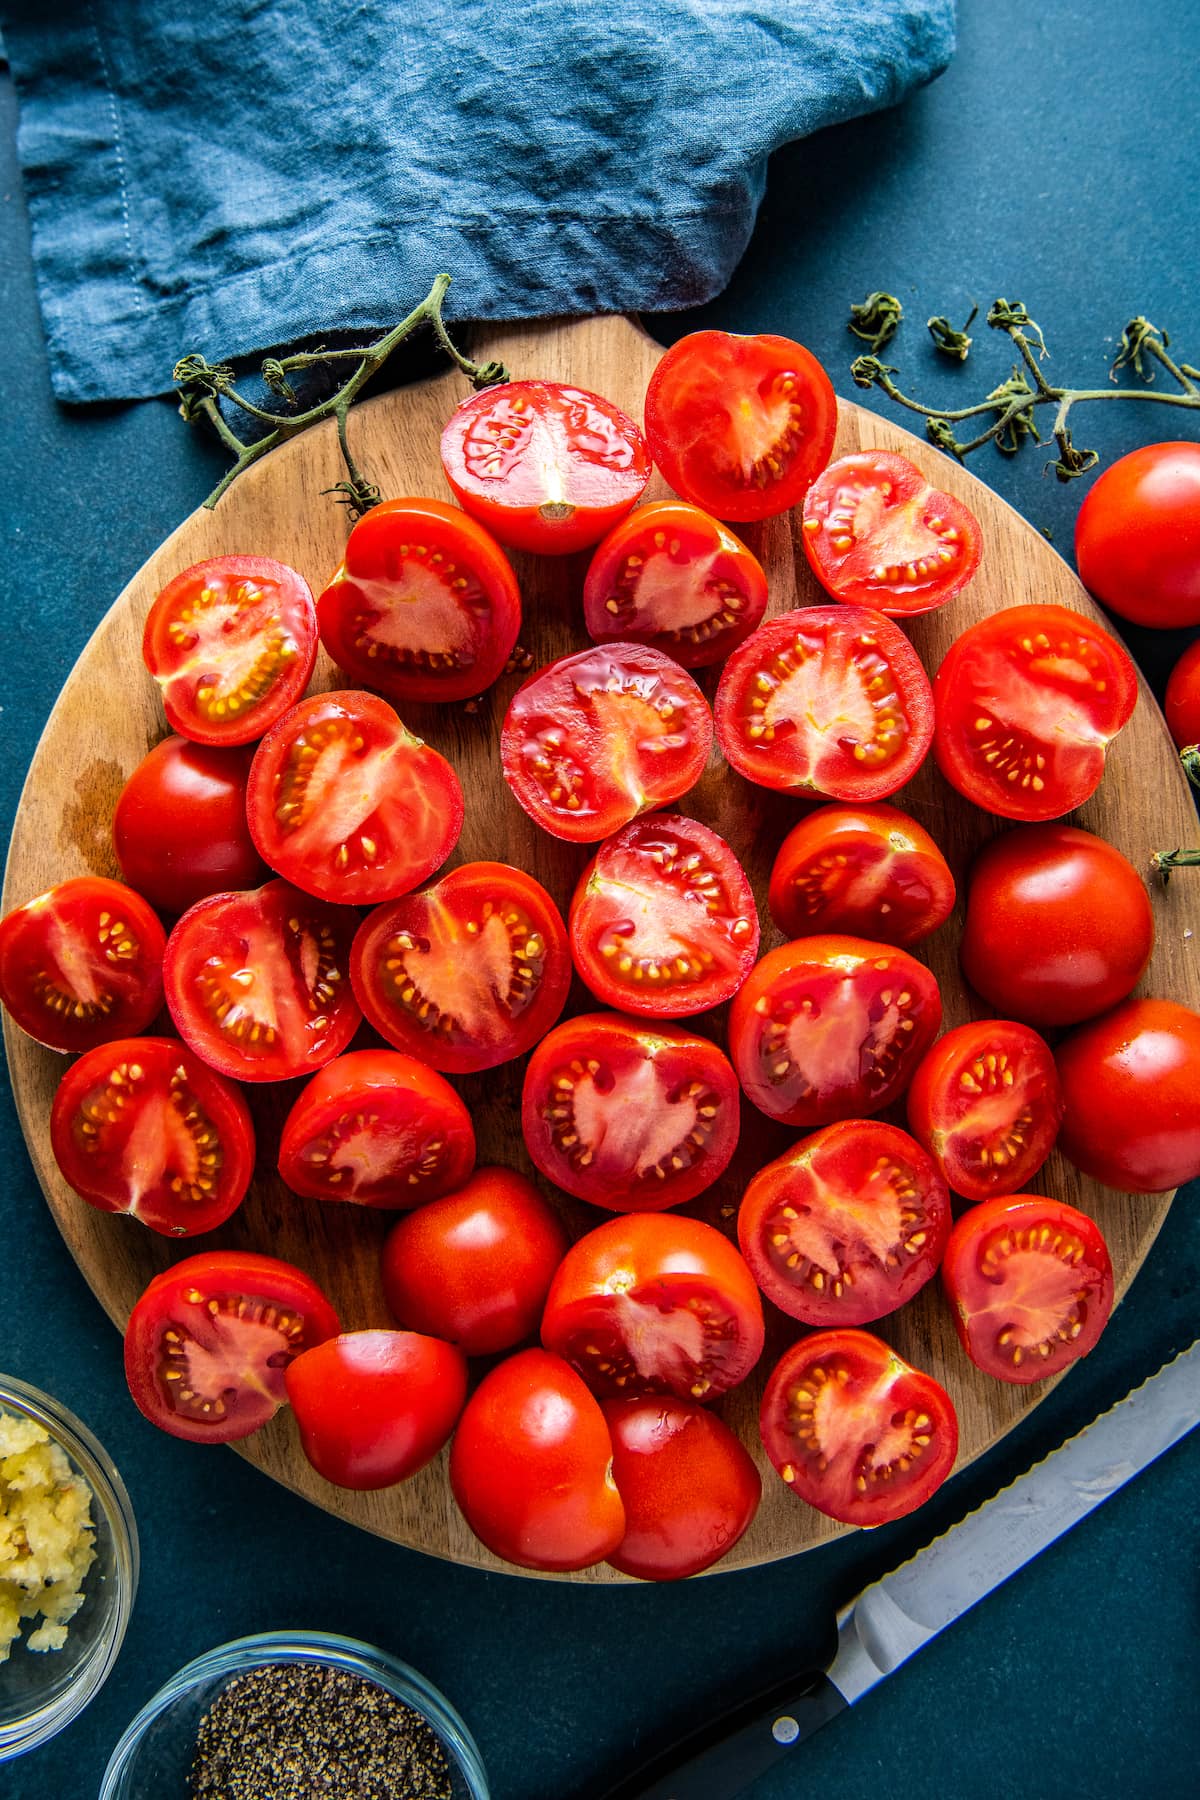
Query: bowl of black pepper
point(300, 1715)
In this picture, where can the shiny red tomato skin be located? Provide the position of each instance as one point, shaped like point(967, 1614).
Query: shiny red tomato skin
point(250, 1314)
point(1059, 925)
point(1137, 536)
point(373, 1407)
point(1181, 704)
point(865, 871)
point(1131, 1096)
point(1022, 1261)
point(689, 1487)
point(187, 660)
point(545, 467)
point(531, 1467)
point(835, 1405)
point(475, 1266)
point(180, 828)
point(60, 952)
point(986, 1104)
point(740, 425)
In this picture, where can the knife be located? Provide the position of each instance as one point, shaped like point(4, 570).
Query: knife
point(893, 1618)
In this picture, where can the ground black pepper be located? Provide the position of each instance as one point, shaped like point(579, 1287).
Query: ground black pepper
point(300, 1731)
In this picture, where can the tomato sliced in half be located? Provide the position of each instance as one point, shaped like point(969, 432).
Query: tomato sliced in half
point(595, 738)
point(425, 605)
point(81, 964)
point(847, 1226)
point(231, 643)
point(467, 974)
point(689, 1486)
point(1030, 1283)
point(740, 425)
point(208, 1344)
point(986, 1103)
point(827, 700)
point(142, 1126)
point(346, 804)
point(831, 1028)
point(543, 466)
point(663, 921)
point(629, 1115)
point(655, 1303)
point(180, 828)
point(672, 577)
point(876, 533)
point(256, 982)
point(376, 1129)
point(870, 871)
point(855, 1430)
point(1028, 701)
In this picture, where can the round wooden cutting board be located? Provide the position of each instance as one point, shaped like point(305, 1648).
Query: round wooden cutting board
point(108, 716)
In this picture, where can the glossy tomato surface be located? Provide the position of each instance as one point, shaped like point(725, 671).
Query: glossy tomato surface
point(869, 871)
point(829, 701)
point(1027, 702)
point(876, 533)
point(855, 1430)
point(231, 643)
point(629, 1114)
point(467, 974)
point(986, 1103)
point(1030, 1285)
point(208, 1343)
point(373, 1407)
point(831, 1028)
point(663, 920)
point(1137, 535)
point(671, 576)
point(424, 606)
point(1181, 703)
point(1131, 1096)
point(740, 425)
point(180, 830)
point(595, 738)
point(81, 964)
point(689, 1487)
point(654, 1303)
point(544, 466)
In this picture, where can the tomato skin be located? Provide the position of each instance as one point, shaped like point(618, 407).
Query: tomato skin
point(1131, 1096)
point(475, 1266)
point(1181, 703)
point(531, 1467)
point(250, 1315)
point(1020, 1263)
point(986, 1104)
point(1137, 536)
point(59, 953)
point(373, 1407)
point(740, 425)
point(1059, 925)
point(855, 1430)
point(866, 871)
point(180, 828)
point(689, 1487)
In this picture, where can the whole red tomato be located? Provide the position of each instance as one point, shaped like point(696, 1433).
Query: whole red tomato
point(689, 1487)
point(1181, 705)
point(1131, 1092)
point(1137, 537)
point(373, 1407)
point(180, 829)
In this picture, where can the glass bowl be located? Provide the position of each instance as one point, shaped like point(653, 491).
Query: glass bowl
point(41, 1691)
point(154, 1756)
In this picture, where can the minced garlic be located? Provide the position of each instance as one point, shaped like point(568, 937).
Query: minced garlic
point(46, 1535)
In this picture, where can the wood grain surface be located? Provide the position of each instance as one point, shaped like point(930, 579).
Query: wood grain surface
point(108, 716)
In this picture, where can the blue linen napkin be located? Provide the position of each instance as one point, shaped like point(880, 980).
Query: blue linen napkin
point(231, 175)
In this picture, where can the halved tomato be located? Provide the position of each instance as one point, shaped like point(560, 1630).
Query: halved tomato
point(663, 921)
point(827, 700)
point(595, 738)
point(867, 870)
point(467, 974)
point(82, 964)
point(689, 1487)
point(986, 1103)
point(629, 1115)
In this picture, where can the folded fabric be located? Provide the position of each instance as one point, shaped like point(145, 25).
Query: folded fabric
point(230, 175)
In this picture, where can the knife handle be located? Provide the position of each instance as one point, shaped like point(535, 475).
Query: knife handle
point(722, 1758)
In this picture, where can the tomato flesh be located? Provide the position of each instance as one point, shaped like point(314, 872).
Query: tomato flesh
point(373, 1407)
point(1131, 1096)
point(868, 871)
point(689, 1487)
point(986, 1104)
point(81, 964)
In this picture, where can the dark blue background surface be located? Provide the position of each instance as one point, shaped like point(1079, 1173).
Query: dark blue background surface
point(1052, 164)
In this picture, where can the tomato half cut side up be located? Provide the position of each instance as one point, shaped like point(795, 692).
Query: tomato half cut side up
point(829, 701)
point(1027, 702)
point(986, 1103)
point(627, 1114)
point(847, 1225)
point(740, 425)
point(424, 606)
point(663, 921)
point(1030, 1285)
point(596, 738)
point(877, 534)
point(855, 1430)
point(231, 643)
point(869, 871)
point(208, 1343)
